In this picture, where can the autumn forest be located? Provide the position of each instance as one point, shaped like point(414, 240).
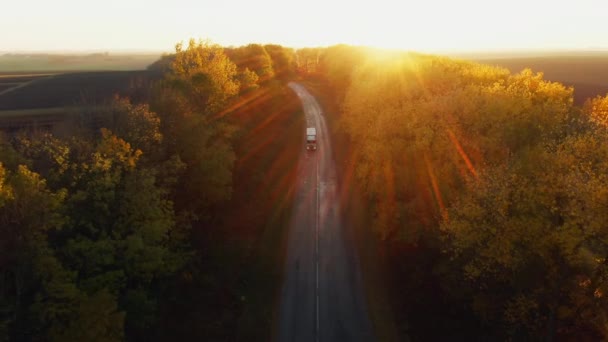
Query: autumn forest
point(478, 198)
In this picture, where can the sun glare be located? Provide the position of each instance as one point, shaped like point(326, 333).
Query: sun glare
point(420, 25)
point(384, 54)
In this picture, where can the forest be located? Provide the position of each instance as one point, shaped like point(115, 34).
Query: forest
point(123, 227)
point(486, 191)
point(163, 217)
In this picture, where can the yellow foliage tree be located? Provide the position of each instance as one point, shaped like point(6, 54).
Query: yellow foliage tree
point(537, 234)
point(597, 108)
point(206, 72)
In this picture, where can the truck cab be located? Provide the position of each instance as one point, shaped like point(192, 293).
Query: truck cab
point(311, 139)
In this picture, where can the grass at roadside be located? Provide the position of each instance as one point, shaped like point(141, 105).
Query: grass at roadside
point(356, 217)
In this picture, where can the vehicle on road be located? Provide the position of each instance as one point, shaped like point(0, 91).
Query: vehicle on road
point(311, 139)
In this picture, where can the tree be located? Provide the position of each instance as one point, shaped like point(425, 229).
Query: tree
point(494, 180)
point(532, 242)
point(40, 292)
point(597, 109)
point(307, 60)
point(409, 113)
point(204, 73)
point(248, 80)
point(118, 235)
point(96, 319)
point(193, 130)
point(283, 60)
point(253, 57)
point(338, 64)
point(134, 123)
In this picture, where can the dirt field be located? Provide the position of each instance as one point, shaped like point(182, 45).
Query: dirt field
point(49, 91)
point(74, 62)
point(36, 81)
point(9, 82)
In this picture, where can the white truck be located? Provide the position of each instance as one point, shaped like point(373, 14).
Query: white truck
point(311, 139)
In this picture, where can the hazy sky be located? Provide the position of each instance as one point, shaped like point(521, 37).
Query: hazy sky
point(426, 25)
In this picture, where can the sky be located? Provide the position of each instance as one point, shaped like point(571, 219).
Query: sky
point(425, 25)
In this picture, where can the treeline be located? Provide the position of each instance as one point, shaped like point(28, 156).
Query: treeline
point(488, 191)
point(119, 230)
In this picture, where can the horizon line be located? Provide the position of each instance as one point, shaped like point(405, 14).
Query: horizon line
point(447, 51)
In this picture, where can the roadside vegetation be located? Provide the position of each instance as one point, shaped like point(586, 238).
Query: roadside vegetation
point(156, 218)
point(486, 191)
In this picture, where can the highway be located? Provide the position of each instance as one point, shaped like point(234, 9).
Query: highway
point(322, 297)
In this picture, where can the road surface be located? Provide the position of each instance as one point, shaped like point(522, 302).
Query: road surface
point(322, 297)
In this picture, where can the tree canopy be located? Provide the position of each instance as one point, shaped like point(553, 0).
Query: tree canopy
point(498, 175)
point(115, 226)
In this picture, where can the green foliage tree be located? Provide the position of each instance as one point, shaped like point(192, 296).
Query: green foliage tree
point(46, 154)
point(134, 123)
point(248, 80)
point(114, 231)
point(532, 241)
point(119, 229)
point(283, 60)
point(9, 156)
point(205, 74)
point(255, 58)
point(45, 300)
point(193, 129)
point(118, 232)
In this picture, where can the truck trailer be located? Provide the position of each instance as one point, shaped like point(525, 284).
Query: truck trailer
point(311, 139)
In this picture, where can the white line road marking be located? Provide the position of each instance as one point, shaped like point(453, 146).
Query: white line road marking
point(317, 249)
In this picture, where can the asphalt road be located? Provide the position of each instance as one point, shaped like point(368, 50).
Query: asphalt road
point(322, 297)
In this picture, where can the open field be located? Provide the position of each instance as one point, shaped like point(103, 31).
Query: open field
point(6, 86)
point(12, 81)
point(588, 74)
point(16, 113)
point(20, 78)
point(74, 62)
point(44, 100)
point(41, 117)
point(71, 89)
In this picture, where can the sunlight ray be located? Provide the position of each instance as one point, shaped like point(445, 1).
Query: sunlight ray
point(435, 186)
point(462, 153)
